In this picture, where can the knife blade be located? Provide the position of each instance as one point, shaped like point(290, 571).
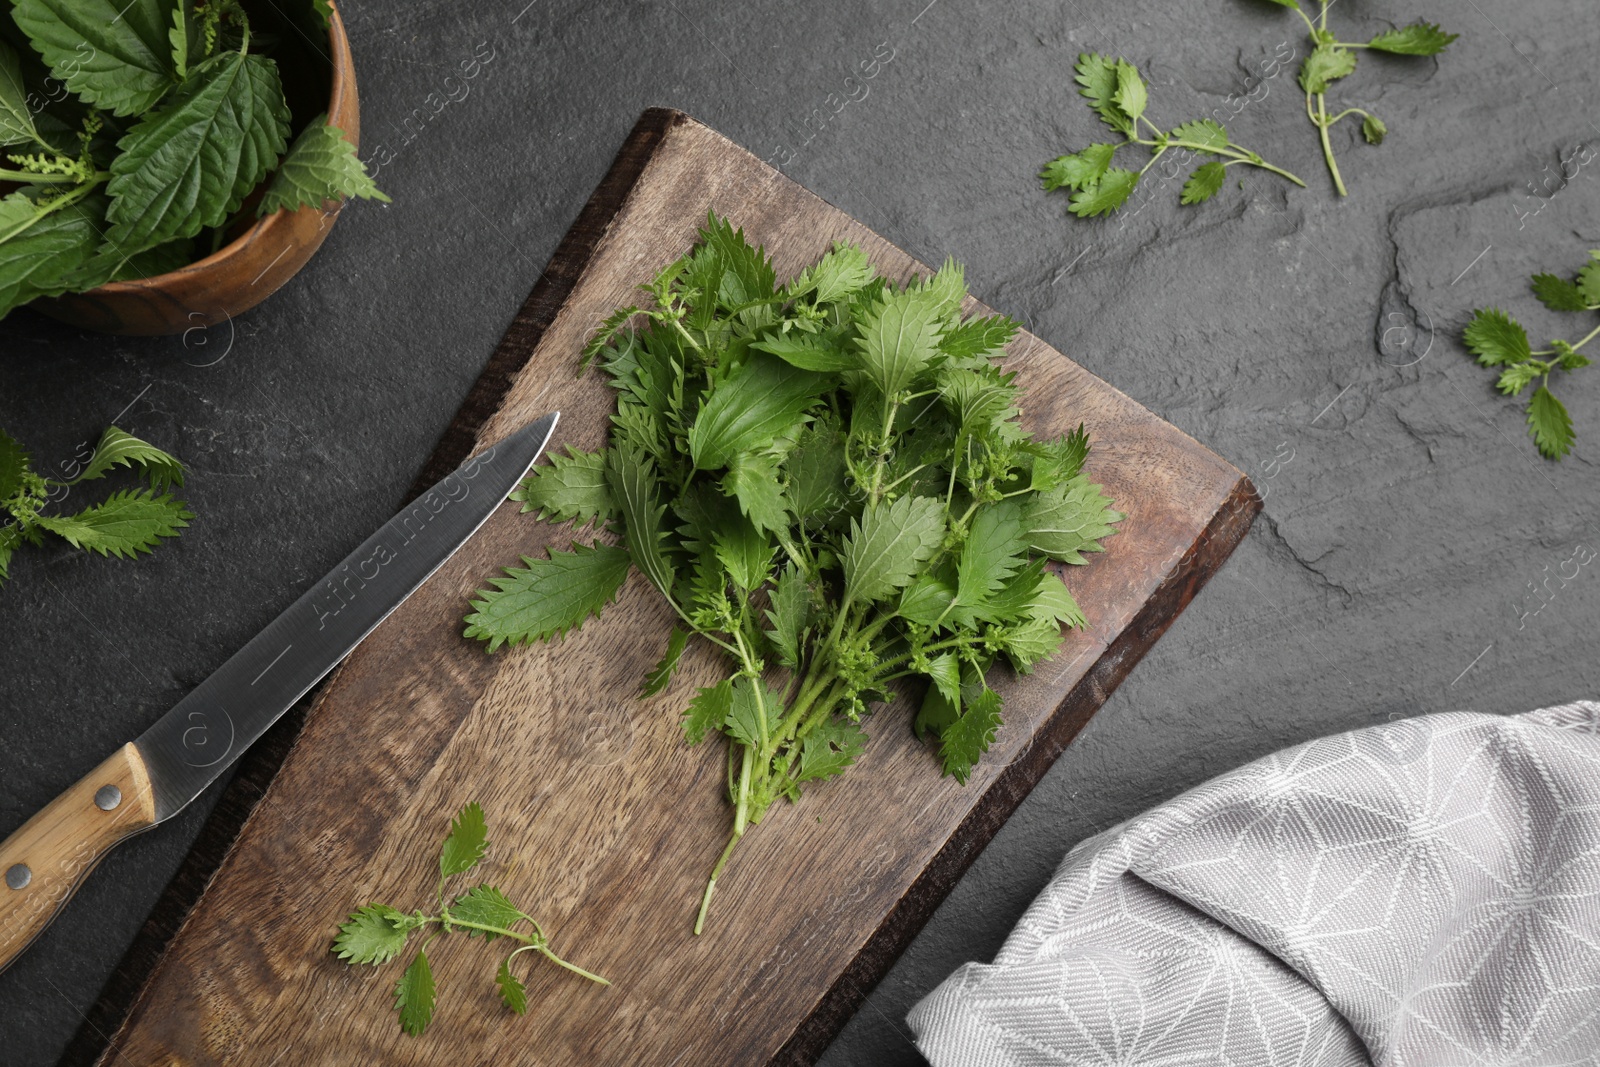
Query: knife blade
point(155, 776)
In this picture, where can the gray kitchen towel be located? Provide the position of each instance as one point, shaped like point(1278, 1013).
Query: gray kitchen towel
point(1420, 894)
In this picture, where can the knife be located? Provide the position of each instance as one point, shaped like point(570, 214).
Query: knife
point(151, 779)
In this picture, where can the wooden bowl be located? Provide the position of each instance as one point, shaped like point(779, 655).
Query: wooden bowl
point(253, 265)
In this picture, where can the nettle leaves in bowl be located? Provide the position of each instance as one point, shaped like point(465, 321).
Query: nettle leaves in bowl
point(136, 133)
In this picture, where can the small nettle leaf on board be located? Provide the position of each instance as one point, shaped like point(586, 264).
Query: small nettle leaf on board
point(173, 113)
point(828, 482)
point(376, 934)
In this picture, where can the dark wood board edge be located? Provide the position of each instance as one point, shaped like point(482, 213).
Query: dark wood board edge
point(1210, 550)
point(93, 1041)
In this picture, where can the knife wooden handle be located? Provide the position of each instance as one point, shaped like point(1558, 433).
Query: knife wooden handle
point(42, 864)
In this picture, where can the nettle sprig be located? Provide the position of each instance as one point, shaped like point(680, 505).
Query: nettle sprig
point(1498, 340)
point(1331, 59)
point(171, 116)
point(123, 525)
point(1118, 94)
point(828, 482)
point(377, 933)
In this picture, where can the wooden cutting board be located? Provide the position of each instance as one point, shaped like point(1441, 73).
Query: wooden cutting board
point(601, 820)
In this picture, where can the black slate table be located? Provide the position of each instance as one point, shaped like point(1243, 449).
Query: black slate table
point(1409, 559)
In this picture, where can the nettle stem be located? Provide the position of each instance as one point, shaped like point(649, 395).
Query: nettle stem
point(1234, 152)
point(1322, 122)
point(536, 942)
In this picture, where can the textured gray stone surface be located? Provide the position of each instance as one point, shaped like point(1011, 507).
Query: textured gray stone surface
point(1407, 512)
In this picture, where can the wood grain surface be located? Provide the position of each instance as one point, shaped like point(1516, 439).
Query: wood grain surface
point(602, 822)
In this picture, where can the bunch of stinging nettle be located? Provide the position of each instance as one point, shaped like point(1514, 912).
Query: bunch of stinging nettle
point(828, 481)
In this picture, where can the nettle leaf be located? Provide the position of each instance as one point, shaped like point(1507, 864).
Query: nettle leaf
point(707, 711)
point(888, 546)
point(984, 337)
point(512, 991)
point(1515, 378)
point(488, 906)
point(747, 712)
point(1495, 338)
point(661, 674)
point(898, 337)
point(1031, 642)
point(114, 54)
point(123, 525)
point(1078, 170)
point(816, 472)
point(1069, 520)
point(190, 164)
point(945, 287)
point(936, 713)
point(963, 742)
point(745, 552)
point(16, 118)
point(1418, 39)
point(633, 477)
point(1106, 195)
point(45, 249)
point(572, 487)
point(979, 401)
point(1053, 602)
point(753, 481)
point(1059, 459)
point(120, 449)
point(1558, 294)
point(834, 277)
point(321, 168)
point(371, 935)
point(829, 749)
point(927, 600)
point(1567, 357)
point(992, 552)
point(466, 843)
point(747, 411)
point(748, 273)
point(789, 614)
point(1205, 134)
point(1204, 183)
point(1325, 63)
point(1287, 3)
point(1549, 424)
point(1099, 83)
point(1589, 280)
point(162, 259)
point(944, 672)
point(414, 996)
point(808, 351)
point(183, 35)
point(1373, 129)
point(547, 597)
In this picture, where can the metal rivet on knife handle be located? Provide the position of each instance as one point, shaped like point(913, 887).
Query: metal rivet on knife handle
point(107, 797)
point(18, 876)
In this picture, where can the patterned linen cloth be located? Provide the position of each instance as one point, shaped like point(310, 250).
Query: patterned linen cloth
point(1420, 894)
